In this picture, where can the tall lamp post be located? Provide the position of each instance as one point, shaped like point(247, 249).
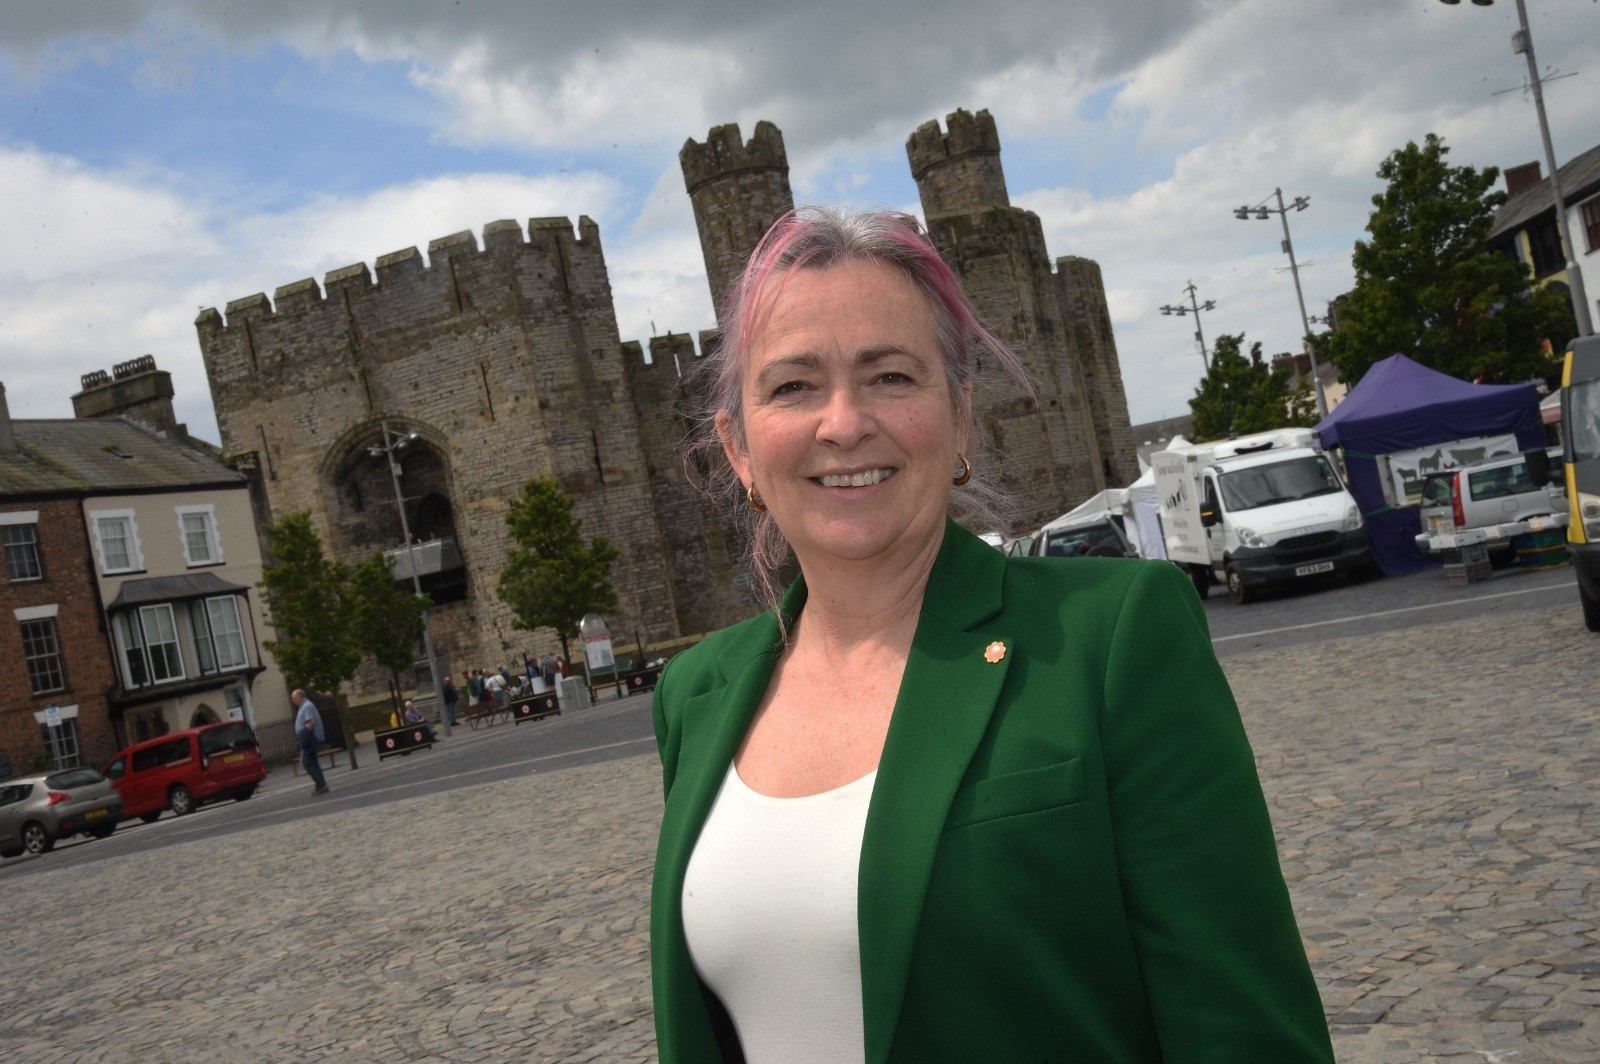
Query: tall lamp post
point(1522, 42)
point(1194, 307)
point(391, 446)
point(1260, 212)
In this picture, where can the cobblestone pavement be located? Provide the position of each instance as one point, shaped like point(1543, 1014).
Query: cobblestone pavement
point(1434, 792)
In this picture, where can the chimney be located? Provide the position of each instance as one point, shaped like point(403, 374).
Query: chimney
point(8, 436)
point(1520, 177)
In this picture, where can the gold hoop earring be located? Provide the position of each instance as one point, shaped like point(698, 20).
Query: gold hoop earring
point(754, 501)
point(965, 474)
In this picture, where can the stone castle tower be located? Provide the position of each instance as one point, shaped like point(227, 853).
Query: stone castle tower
point(504, 362)
point(1075, 439)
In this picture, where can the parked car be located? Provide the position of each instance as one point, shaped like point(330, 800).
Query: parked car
point(185, 770)
point(1493, 492)
point(37, 811)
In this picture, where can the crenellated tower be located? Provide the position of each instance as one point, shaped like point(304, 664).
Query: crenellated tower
point(738, 189)
point(1069, 444)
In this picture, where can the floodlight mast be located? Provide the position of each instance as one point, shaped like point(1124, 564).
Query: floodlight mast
point(1261, 212)
point(1194, 307)
point(387, 451)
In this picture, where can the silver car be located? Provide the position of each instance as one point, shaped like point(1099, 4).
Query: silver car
point(1498, 491)
point(36, 811)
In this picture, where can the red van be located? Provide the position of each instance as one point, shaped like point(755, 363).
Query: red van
point(184, 770)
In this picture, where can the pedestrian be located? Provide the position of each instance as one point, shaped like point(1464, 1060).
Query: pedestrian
point(414, 717)
point(450, 696)
point(309, 736)
point(474, 687)
point(547, 666)
point(495, 686)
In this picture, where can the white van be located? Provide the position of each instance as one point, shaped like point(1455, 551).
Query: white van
point(1256, 512)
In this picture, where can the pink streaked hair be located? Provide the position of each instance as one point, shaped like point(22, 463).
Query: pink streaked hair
point(819, 238)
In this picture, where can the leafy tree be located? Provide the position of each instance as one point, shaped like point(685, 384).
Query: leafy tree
point(308, 598)
point(387, 619)
point(1241, 395)
point(551, 579)
point(1427, 285)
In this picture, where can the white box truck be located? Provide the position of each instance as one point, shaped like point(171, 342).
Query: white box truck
point(1258, 512)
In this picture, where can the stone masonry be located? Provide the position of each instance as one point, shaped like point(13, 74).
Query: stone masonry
point(505, 362)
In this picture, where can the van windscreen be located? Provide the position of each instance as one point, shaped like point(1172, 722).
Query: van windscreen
point(236, 736)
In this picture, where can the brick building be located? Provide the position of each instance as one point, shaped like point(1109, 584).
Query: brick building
point(505, 362)
point(131, 561)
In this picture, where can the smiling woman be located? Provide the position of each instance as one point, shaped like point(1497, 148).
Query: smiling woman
point(935, 804)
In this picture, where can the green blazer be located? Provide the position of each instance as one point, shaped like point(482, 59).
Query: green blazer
point(1067, 854)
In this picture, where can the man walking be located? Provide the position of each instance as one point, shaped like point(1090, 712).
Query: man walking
point(309, 734)
point(448, 692)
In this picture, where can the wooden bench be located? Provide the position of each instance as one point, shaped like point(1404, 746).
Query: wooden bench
point(330, 752)
point(484, 713)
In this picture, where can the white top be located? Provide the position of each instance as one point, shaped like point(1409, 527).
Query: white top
point(769, 910)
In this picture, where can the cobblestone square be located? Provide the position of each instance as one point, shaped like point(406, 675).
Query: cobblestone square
point(1434, 794)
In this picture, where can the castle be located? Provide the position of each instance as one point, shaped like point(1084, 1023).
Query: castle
point(503, 362)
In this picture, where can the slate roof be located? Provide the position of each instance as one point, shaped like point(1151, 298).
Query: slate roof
point(1580, 178)
point(171, 589)
point(68, 456)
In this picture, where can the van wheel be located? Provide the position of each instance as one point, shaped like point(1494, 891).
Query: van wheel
point(150, 818)
point(181, 800)
point(35, 839)
point(245, 793)
point(1236, 589)
point(1201, 579)
point(1591, 610)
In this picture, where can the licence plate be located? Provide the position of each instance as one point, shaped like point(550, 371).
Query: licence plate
point(231, 758)
point(91, 814)
point(1319, 567)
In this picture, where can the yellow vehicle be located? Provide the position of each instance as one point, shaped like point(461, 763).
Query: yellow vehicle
point(1580, 425)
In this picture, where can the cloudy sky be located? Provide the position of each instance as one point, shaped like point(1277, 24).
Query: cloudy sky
point(162, 156)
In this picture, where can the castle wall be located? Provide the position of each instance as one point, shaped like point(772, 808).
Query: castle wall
point(704, 553)
point(1082, 296)
point(506, 360)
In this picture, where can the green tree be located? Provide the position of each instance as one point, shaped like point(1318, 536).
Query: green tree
point(551, 579)
point(307, 595)
point(387, 619)
point(1240, 395)
point(1427, 285)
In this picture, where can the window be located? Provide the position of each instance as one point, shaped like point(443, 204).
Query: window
point(62, 742)
point(42, 653)
point(198, 527)
point(118, 537)
point(131, 642)
point(161, 642)
point(218, 635)
point(1590, 213)
point(22, 551)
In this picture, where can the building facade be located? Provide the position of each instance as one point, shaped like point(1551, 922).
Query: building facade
point(132, 559)
point(503, 362)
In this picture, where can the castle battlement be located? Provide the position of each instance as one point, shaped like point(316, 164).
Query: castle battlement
point(554, 237)
point(958, 168)
point(968, 134)
point(724, 152)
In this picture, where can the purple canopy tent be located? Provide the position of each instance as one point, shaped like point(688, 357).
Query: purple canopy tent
point(1401, 405)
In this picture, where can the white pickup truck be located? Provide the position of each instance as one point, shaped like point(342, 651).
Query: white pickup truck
point(1264, 510)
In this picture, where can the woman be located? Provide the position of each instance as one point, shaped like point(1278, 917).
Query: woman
point(938, 804)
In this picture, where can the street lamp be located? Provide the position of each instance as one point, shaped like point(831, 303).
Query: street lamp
point(1194, 307)
point(1522, 44)
point(1260, 212)
point(391, 446)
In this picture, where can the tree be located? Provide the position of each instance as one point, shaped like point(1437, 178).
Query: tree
point(1428, 286)
point(1239, 395)
point(551, 579)
point(307, 595)
point(387, 620)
